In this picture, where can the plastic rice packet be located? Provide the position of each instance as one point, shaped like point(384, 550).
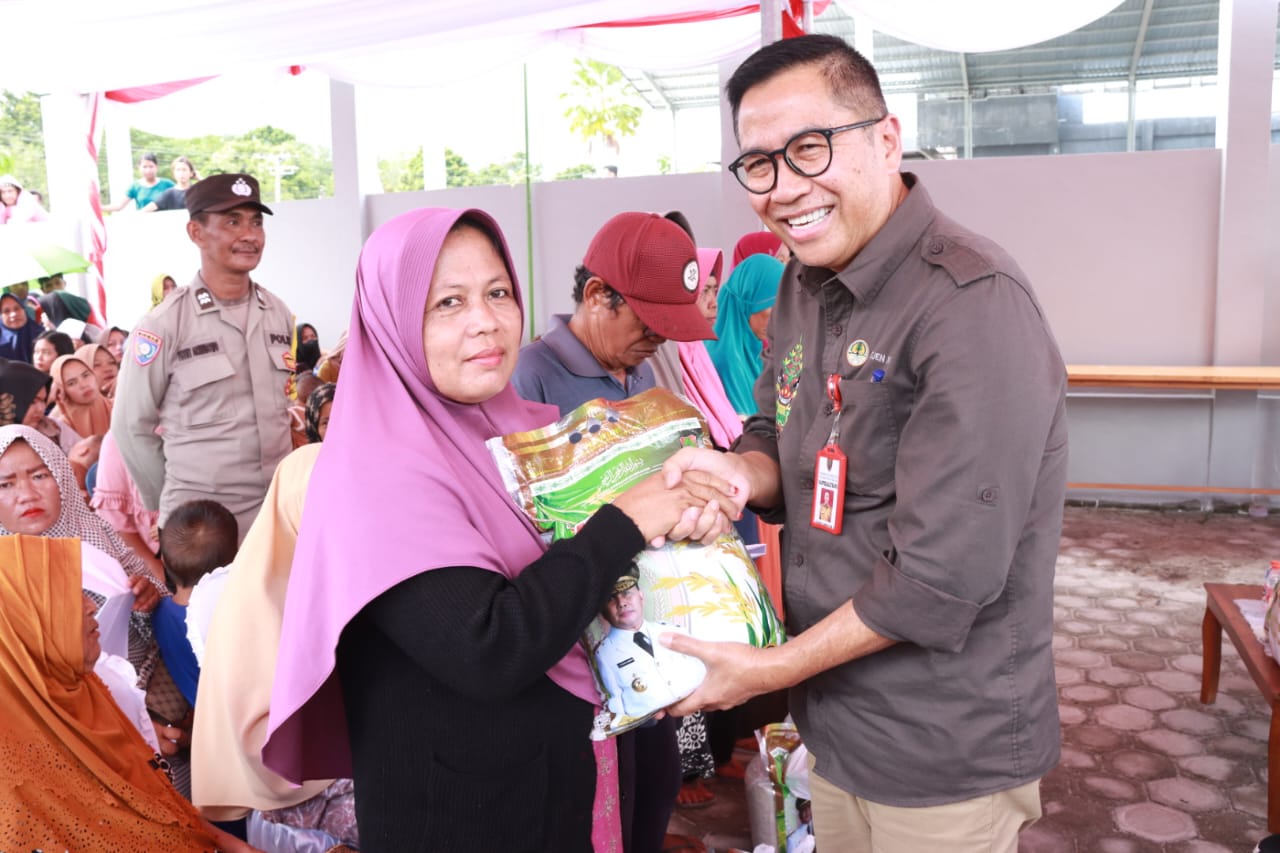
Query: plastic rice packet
point(561, 474)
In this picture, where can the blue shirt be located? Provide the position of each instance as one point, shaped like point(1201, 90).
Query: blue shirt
point(560, 370)
point(169, 620)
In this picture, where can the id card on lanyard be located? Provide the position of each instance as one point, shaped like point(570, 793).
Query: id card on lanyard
point(829, 471)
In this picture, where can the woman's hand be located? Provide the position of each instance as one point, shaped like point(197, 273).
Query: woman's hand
point(85, 451)
point(697, 507)
point(145, 594)
point(172, 739)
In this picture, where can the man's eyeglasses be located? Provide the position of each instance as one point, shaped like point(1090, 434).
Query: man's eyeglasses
point(808, 153)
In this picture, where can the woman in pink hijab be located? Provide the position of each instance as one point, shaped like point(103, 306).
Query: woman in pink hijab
point(429, 647)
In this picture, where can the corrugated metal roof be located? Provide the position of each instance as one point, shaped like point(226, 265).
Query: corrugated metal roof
point(1179, 39)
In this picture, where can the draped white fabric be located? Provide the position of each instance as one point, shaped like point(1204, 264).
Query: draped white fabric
point(73, 45)
point(80, 46)
point(977, 26)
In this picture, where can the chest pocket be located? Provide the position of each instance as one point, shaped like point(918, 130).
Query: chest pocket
point(205, 398)
point(868, 435)
point(281, 361)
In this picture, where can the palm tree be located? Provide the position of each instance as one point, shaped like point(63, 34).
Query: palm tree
point(602, 110)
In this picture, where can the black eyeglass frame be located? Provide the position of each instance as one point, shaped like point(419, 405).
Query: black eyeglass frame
point(772, 156)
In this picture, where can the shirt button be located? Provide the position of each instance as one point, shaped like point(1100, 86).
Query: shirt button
point(837, 329)
point(936, 246)
point(827, 408)
point(798, 559)
point(989, 496)
point(807, 485)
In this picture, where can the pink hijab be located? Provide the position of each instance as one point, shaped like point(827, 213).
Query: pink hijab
point(429, 496)
point(698, 374)
point(756, 243)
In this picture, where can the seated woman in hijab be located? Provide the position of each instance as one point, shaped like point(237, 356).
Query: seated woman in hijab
point(17, 332)
point(49, 345)
point(77, 400)
point(161, 286)
point(746, 302)
point(67, 312)
point(74, 774)
point(430, 642)
point(29, 390)
point(106, 367)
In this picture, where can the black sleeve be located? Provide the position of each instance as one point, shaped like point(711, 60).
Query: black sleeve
point(488, 637)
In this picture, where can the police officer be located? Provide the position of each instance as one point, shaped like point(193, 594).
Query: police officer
point(210, 366)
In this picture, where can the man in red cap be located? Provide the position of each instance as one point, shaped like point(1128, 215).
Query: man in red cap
point(637, 287)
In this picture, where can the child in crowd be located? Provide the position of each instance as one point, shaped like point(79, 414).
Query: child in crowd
point(197, 538)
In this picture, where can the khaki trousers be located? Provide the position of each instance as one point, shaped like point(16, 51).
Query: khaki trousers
point(844, 823)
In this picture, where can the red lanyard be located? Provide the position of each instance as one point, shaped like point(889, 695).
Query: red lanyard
point(829, 471)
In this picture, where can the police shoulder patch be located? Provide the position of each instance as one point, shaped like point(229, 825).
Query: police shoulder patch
point(146, 346)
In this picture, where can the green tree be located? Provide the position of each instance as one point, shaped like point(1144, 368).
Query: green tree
point(306, 171)
point(22, 139)
point(456, 171)
point(602, 104)
point(401, 174)
point(573, 173)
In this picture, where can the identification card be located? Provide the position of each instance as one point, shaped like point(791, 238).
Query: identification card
point(828, 490)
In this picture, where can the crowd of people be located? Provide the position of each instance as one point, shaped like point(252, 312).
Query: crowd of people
point(310, 611)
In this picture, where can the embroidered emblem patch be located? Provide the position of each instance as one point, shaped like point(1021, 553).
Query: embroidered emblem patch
point(690, 276)
point(241, 188)
point(788, 379)
point(146, 346)
point(204, 298)
point(857, 353)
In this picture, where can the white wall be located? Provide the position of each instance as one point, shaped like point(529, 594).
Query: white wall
point(1122, 249)
point(307, 261)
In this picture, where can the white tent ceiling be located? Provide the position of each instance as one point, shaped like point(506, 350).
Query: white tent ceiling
point(83, 46)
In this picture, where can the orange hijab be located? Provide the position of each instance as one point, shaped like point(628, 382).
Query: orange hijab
point(74, 774)
point(91, 419)
point(89, 353)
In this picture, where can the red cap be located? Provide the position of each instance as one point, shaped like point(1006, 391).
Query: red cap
point(652, 262)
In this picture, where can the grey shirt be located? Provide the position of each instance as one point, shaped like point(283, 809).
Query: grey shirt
point(560, 370)
point(954, 425)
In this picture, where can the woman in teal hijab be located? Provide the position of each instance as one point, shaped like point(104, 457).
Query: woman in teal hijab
point(746, 301)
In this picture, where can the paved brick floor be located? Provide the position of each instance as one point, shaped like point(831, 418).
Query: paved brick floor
point(1145, 767)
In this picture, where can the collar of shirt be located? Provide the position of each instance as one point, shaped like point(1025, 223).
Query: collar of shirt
point(573, 353)
point(880, 258)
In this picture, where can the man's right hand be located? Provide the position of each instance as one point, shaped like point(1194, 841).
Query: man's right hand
point(699, 507)
point(754, 475)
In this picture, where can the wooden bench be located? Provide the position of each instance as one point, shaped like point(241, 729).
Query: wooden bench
point(1221, 613)
point(1174, 378)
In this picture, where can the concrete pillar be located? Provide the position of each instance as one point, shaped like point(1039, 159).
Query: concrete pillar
point(120, 161)
point(351, 175)
point(1246, 56)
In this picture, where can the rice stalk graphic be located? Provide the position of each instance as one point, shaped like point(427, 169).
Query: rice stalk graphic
point(729, 601)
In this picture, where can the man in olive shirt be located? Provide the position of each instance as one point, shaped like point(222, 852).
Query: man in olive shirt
point(918, 570)
point(209, 366)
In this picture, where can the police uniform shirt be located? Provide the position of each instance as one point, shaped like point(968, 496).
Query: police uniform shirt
point(212, 376)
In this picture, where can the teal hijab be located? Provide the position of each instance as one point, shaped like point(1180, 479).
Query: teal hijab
point(752, 287)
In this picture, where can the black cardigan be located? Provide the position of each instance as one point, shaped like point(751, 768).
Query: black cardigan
point(459, 740)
